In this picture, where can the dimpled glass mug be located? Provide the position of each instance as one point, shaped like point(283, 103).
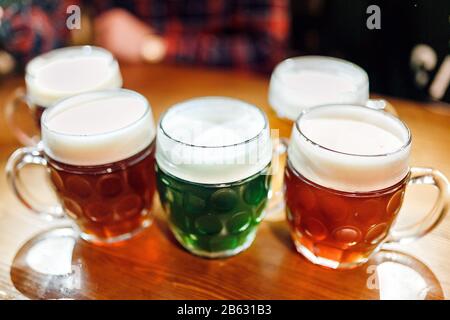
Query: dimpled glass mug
point(98, 148)
point(212, 166)
point(300, 83)
point(59, 74)
point(347, 172)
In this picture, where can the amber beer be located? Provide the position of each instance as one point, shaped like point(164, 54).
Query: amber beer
point(339, 226)
point(59, 74)
point(299, 83)
point(99, 149)
point(345, 180)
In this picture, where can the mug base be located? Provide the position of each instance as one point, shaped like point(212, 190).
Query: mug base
point(218, 254)
point(145, 223)
point(327, 263)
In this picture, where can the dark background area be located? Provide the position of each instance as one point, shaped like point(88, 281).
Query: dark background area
point(338, 28)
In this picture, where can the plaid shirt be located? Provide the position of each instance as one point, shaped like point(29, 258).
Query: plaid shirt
point(245, 34)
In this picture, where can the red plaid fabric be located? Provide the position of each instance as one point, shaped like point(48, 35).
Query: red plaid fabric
point(245, 34)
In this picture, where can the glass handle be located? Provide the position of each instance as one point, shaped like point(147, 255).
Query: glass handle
point(276, 205)
point(19, 160)
point(381, 104)
point(24, 136)
point(428, 222)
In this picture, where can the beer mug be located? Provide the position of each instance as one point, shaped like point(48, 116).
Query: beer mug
point(303, 82)
point(98, 149)
point(55, 75)
point(347, 173)
point(213, 158)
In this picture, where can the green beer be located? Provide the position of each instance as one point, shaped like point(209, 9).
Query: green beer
point(214, 220)
point(213, 163)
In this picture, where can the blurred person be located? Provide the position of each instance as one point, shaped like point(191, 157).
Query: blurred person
point(244, 34)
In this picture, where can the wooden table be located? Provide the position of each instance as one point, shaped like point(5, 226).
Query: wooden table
point(154, 266)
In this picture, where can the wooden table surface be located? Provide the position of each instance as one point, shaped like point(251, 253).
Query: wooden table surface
point(38, 260)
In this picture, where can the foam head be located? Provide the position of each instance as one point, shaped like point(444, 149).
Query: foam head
point(350, 148)
point(98, 127)
point(68, 71)
point(304, 82)
point(213, 140)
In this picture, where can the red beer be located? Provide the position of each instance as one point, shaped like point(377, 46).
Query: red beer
point(339, 226)
point(347, 171)
point(109, 200)
point(99, 150)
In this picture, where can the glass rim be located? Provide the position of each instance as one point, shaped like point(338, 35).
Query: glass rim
point(292, 60)
point(191, 145)
point(85, 50)
point(304, 112)
point(104, 93)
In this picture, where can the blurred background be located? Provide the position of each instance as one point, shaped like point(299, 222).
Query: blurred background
point(406, 57)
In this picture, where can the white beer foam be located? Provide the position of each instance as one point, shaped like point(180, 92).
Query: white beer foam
point(350, 148)
point(213, 140)
point(304, 82)
point(98, 127)
point(68, 71)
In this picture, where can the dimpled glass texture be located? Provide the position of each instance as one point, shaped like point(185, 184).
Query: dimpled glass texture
point(108, 202)
point(214, 220)
point(339, 229)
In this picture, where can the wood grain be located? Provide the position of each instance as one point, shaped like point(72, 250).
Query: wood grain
point(154, 266)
